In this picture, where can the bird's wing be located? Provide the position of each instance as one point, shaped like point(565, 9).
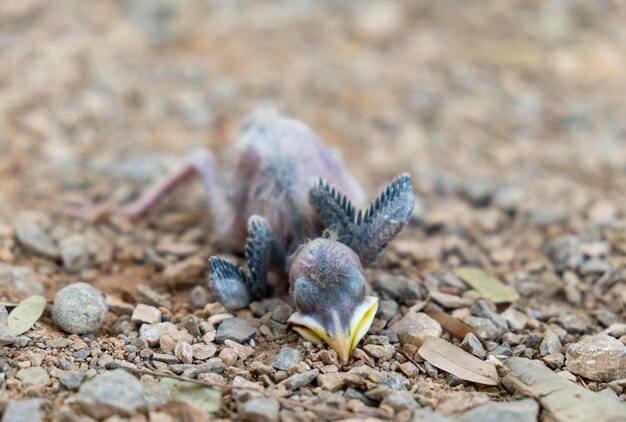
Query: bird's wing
point(367, 231)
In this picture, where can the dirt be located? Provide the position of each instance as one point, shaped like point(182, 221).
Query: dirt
point(508, 116)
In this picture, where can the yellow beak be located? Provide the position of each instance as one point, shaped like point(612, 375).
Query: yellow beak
point(343, 343)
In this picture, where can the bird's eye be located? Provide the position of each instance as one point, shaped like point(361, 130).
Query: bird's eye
point(305, 294)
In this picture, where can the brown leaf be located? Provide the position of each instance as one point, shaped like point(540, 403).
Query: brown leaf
point(26, 314)
point(487, 285)
point(452, 325)
point(564, 400)
point(450, 358)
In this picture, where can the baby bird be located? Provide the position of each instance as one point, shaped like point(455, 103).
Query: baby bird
point(285, 203)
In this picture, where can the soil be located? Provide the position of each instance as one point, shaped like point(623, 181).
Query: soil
point(507, 115)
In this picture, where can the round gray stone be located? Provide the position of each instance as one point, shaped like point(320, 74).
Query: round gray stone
point(79, 309)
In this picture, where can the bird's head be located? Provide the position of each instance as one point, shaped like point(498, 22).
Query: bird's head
point(328, 290)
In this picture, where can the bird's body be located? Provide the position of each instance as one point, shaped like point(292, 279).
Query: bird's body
point(274, 204)
point(276, 161)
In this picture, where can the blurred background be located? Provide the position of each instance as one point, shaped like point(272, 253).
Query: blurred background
point(522, 99)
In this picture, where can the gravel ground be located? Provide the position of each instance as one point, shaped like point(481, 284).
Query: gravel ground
point(508, 115)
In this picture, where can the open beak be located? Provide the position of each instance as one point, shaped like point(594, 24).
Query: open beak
point(344, 342)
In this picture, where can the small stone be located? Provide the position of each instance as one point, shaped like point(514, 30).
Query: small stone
point(148, 296)
point(111, 393)
point(146, 314)
point(168, 358)
point(482, 309)
point(185, 273)
point(453, 380)
point(229, 356)
point(555, 360)
point(30, 232)
point(23, 411)
point(400, 400)
point(503, 350)
point(338, 381)
point(550, 344)
point(71, 380)
point(472, 345)
point(35, 375)
point(261, 410)
point(243, 351)
point(598, 358)
point(387, 309)
point(118, 306)
point(286, 358)
point(184, 352)
point(151, 333)
point(199, 297)
point(74, 253)
point(394, 382)
point(413, 326)
point(573, 322)
point(380, 352)
point(281, 313)
point(408, 368)
point(565, 252)
point(59, 343)
point(297, 381)
point(236, 329)
point(378, 393)
point(516, 320)
point(526, 410)
point(449, 301)
point(397, 288)
point(79, 309)
point(191, 323)
point(203, 351)
point(594, 266)
point(18, 283)
point(7, 336)
point(167, 344)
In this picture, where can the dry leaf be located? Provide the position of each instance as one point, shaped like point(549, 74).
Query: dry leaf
point(452, 325)
point(488, 286)
point(564, 400)
point(204, 397)
point(26, 314)
point(450, 358)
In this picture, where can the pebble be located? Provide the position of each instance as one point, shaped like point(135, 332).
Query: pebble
point(199, 297)
point(594, 266)
point(472, 345)
point(550, 344)
point(111, 393)
point(387, 309)
point(146, 314)
point(598, 358)
point(184, 352)
point(449, 301)
point(71, 380)
point(148, 296)
point(517, 321)
point(380, 352)
point(565, 252)
point(35, 375)
point(282, 312)
point(30, 232)
point(555, 360)
point(261, 410)
point(526, 410)
point(19, 282)
point(243, 351)
point(151, 333)
point(228, 356)
point(7, 336)
point(482, 309)
point(297, 381)
point(185, 273)
point(397, 288)
point(413, 326)
point(79, 309)
point(572, 322)
point(236, 329)
point(203, 351)
point(400, 400)
point(286, 358)
point(23, 411)
point(74, 253)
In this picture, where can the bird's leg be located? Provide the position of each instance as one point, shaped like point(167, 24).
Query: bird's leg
point(202, 164)
point(370, 230)
point(233, 287)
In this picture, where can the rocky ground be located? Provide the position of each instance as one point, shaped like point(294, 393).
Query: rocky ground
point(508, 115)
